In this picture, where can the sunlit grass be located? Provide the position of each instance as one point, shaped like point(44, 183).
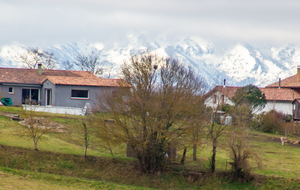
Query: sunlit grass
point(21, 179)
point(49, 142)
point(277, 160)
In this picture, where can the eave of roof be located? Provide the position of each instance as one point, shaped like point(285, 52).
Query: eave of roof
point(82, 81)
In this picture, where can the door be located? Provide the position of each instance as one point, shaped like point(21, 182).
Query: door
point(48, 97)
point(25, 96)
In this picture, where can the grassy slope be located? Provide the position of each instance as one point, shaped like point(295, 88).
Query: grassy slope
point(21, 179)
point(277, 160)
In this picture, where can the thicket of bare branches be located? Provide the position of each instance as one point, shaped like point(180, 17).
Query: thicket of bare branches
point(155, 110)
point(81, 133)
point(237, 133)
point(33, 56)
point(89, 62)
point(36, 127)
point(241, 152)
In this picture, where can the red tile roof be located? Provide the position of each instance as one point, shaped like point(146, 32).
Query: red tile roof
point(228, 91)
point(31, 76)
point(290, 82)
point(83, 81)
point(61, 77)
point(275, 94)
point(280, 94)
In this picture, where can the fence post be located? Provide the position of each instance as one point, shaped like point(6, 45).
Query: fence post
point(285, 131)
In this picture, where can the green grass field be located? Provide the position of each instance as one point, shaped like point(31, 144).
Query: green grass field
point(22, 179)
point(59, 164)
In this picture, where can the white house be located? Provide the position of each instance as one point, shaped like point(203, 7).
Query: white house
point(279, 99)
point(281, 94)
point(220, 95)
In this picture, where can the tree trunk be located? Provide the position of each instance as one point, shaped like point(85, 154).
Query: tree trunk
point(183, 156)
point(85, 149)
point(35, 145)
point(195, 141)
point(213, 158)
point(194, 152)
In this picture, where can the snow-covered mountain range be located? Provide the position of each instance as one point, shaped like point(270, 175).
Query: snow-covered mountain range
point(239, 64)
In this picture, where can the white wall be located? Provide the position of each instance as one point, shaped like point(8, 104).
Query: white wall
point(209, 102)
point(55, 109)
point(284, 107)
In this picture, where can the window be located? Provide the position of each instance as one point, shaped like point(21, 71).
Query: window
point(215, 99)
point(10, 90)
point(222, 98)
point(30, 96)
point(82, 94)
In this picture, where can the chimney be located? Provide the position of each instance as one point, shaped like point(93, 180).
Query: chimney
point(279, 83)
point(40, 68)
point(298, 73)
point(224, 86)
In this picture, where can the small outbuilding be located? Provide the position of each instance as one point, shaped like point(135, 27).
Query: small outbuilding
point(296, 109)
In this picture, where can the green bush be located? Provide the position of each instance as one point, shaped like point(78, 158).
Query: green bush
point(226, 108)
point(270, 122)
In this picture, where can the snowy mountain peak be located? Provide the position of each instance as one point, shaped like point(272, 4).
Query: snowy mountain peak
point(240, 65)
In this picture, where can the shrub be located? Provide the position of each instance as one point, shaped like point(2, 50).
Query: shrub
point(270, 122)
point(226, 108)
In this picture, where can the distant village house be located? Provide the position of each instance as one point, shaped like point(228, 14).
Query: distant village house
point(62, 88)
point(282, 96)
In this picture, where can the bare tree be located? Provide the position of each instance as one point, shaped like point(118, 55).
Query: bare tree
point(215, 131)
point(80, 133)
point(33, 56)
point(67, 65)
point(216, 128)
point(90, 62)
point(198, 124)
point(155, 110)
point(103, 140)
point(36, 127)
point(241, 151)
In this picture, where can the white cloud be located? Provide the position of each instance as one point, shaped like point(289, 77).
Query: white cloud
point(33, 21)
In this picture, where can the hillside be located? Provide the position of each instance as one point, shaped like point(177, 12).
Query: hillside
point(60, 164)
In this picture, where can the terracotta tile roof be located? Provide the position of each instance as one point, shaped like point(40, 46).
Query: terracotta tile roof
point(83, 81)
point(31, 76)
point(280, 94)
point(229, 91)
point(290, 82)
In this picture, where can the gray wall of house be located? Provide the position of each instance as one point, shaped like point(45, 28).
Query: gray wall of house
point(16, 97)
point(63, 95)
point(47, 85)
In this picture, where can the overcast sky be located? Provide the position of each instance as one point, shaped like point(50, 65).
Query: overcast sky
point(31, 22)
